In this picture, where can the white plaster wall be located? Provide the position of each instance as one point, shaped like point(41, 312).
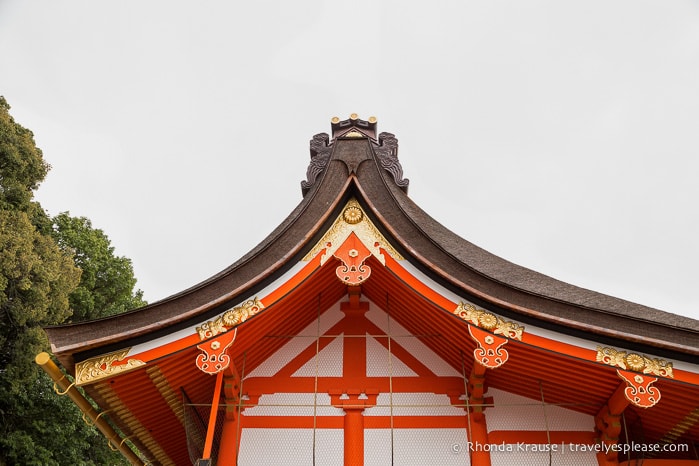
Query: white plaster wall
point(380, 364)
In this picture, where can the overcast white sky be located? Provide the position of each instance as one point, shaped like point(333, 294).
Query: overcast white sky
point(561, 136)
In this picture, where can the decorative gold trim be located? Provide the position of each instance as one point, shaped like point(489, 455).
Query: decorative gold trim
point(230, 318)
point(634, 362)
point(352, 219)
point(488, 321)
point(100, 367)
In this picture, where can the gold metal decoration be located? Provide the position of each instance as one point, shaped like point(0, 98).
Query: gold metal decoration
point(488, 321)
point(100, 367)
point(634, 362)
point(352, 215)
point(352, 219)
point(230, 318)
point(211, 328)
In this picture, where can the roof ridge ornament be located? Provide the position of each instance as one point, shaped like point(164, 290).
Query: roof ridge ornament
point(320, 156)
point(384, 146)
point(353, 127)
point(387, 152)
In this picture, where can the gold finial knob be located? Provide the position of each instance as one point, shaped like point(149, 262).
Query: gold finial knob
point(334, 120)
point(354, 116)
point(372, 119)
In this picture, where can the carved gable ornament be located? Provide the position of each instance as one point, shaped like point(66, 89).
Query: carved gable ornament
point(352, 239)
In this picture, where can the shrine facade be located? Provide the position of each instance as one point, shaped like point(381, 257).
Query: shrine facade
point(363, 332)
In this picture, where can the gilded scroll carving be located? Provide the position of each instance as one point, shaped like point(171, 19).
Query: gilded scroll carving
point(489, 321)
point(634, 370)
point(230, 318)
point(634, 362)
point(100, 367)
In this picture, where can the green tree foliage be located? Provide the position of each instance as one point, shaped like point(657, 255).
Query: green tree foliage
point(107, 281)
point(22, 167)
point(51, 272)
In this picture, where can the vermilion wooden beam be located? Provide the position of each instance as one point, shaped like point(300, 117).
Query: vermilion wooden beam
point(476, 388)
point(212, 417)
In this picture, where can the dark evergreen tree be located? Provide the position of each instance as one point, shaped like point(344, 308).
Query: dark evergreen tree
point(51, 272)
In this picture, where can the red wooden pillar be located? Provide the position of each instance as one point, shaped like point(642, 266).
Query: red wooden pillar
point(354, 437)
point(478, 433)
point(608, 426)
point(353, 402)
point(478, 445)
point(228, 449)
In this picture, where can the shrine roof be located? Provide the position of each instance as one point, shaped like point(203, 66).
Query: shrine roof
point(355, 161)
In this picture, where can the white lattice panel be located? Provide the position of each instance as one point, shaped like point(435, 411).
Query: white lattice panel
point(413, 404)
point(328, 363)
point(289, 351)
point(291, 447)
point(415, 447)
point(411, 344)
point(379, 365)
point(293, 404)
point(514, 412)
point(522, 455)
